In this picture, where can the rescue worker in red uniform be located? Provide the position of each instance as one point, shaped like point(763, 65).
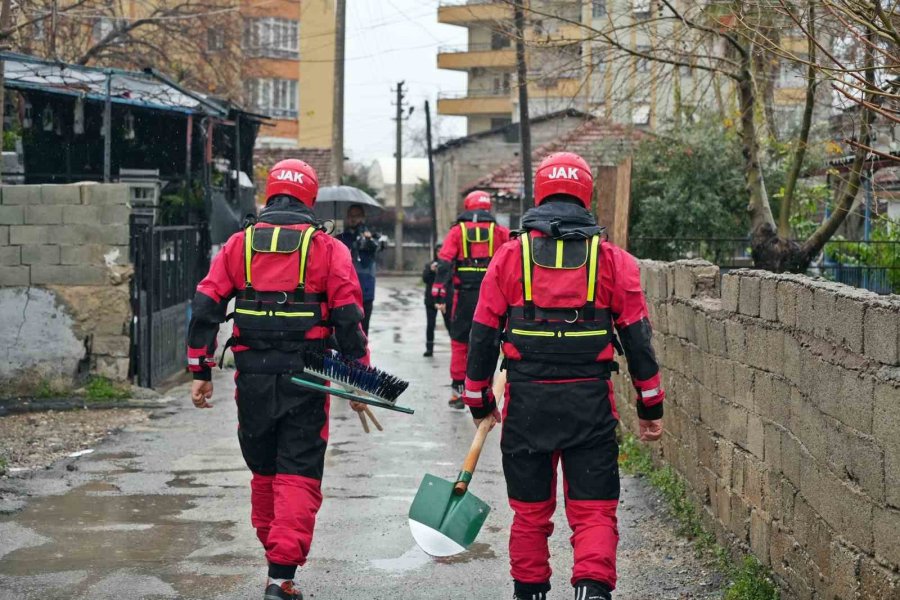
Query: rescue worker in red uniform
point(463, 260)
point(295, 287)
point(554, 295)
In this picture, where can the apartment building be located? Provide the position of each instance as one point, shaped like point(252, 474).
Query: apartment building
point(569, 67)
point(288, 70)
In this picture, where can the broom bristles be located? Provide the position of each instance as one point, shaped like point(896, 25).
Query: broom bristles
point(353, 373)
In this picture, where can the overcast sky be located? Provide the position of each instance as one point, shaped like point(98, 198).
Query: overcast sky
point(389, 41)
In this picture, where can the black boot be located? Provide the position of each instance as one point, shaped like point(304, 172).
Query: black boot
point(530, 591)
point(429, 349)
point(285, 591)
point(459, 388)
point(592, 590)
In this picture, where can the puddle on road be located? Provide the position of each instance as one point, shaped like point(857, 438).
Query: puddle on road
point(182, 481)
point(113, 456)
point(475, 552)
point(93, 529)
point(410, 560)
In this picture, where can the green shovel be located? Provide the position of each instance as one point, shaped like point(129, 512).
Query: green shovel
point(444, 517)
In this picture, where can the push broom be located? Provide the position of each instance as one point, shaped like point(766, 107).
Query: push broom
point(354, 381)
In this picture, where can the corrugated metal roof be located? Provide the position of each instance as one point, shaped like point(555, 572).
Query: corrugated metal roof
point(126, 87)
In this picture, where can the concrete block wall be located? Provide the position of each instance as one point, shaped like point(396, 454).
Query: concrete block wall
point(783, 415)
point(64, 273)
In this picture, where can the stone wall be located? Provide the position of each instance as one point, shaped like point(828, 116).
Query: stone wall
point(64, 275)
point(783, 415)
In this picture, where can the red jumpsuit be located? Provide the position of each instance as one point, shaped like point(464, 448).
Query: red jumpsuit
point(556, 319)
point(283, 428)
point(462, 263)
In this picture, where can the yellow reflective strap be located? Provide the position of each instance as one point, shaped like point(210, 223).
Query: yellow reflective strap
point(470, 269)
point(592, 268)
point(273, 247)
point(585, 333)
point(248, 251)
point(491, 240)
point(304, 251)
point(465, 240)
point(255, 313)
point(526, 265)
point(534, 333)
point(559, 254)
point(294, 314)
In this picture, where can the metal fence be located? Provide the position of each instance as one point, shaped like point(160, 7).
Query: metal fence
point(871, 265)
point(169, 262)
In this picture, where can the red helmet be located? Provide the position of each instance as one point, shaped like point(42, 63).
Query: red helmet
point(564, 173)
point(293, 178)
point(477, 200)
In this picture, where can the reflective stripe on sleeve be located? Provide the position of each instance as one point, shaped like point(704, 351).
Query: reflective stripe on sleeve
point(651, 393)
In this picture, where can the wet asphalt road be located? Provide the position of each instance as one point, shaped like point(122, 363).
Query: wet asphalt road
point(161, 510)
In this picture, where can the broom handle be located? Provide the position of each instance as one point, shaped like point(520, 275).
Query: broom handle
point(362, 419)
point(471, 461)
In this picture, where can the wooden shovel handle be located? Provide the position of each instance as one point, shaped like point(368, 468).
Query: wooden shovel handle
point(472, 457)
point(372, 418)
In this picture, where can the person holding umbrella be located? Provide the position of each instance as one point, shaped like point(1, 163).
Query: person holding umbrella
point(363, 247)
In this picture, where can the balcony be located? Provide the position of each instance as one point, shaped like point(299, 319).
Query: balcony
point(563, 35)
point(464, 104)
point(475, 56)
point(455, 12)
point(553, 87)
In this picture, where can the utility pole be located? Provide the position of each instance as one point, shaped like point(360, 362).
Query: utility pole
point(524, 121)
point(337, 128)
point(431, 193)
point(398, 185)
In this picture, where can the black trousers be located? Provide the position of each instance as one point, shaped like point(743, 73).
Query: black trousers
point(431, 313)
point(367, 314)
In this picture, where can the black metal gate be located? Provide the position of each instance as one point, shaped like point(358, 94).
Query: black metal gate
point(168, 264)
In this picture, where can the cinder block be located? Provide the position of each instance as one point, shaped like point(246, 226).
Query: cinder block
point(875, 581)
point(725, 378)
point(68, 275)
point(887, 540)
point(43, 215)
point(743, 386)
point(824, 385)
point(757, 348)
point(715, 333)
point(4, 235)
point(81, 215)
point(772, 446)
point(775, 355)
point(14, 276)
point(113, 235)
point(748, 303)
point(793, 457)
point(882, 322)
point(12, 215)
point(806, 316)
point(107, 194)
point(772, 398)
point(848, 324)
point(61, 194)
point(731, 283)
point(831, 499)
point(768, 298)
point(116, 215)
point(823, 312)
point(43, 255)
point(886, 429)
point(857, 403)
point(755, 436)
point(735, 340)
point(844, 569)
point(115, 369)
point(111, 345)
point(759, 535)
point(22, 235)
point(740, 518)
point(792, 365)
point(786, 302)
point(21, 194)
point(10, 256)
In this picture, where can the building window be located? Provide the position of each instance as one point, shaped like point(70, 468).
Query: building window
point(275, 97)
point(598, 8)
point(103, 27)
point(643, 64)
point(499, 40)
point(270, 37)
point(502, 84)
point(215, 39)
point(640, 8)
point(640, 114)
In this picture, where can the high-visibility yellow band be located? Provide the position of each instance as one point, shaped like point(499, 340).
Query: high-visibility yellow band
point(273, 247)
point(559, 254)
point(592, 268)
point(472, 269)
point(585, 333)
point(465, 240)
point(534, 333)
point(294, 314)
point(248, 251)
point(526, 265)
point(255, 313)
point(491, 240)
point(304, 250)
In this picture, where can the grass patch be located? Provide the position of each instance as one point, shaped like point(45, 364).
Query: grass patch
point(45, 389)
point(101, 389)
point(748, 580)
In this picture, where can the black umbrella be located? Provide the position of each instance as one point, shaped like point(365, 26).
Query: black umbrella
point(334, 200)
